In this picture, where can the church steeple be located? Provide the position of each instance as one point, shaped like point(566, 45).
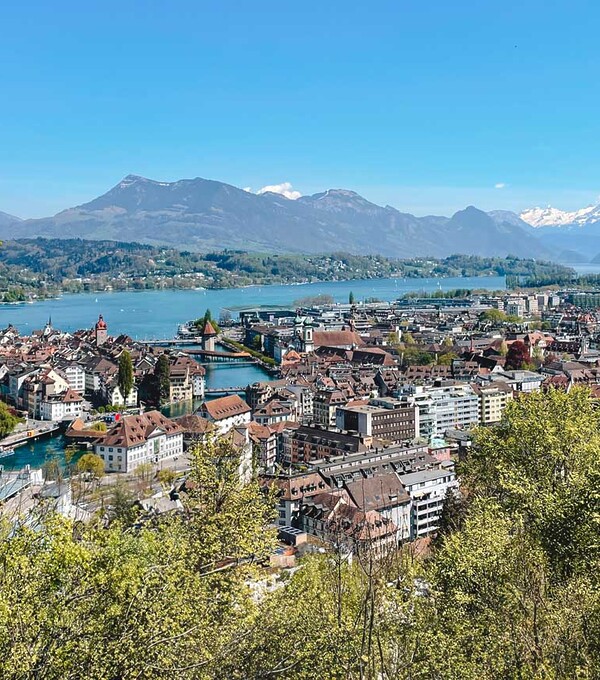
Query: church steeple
point(101, 330)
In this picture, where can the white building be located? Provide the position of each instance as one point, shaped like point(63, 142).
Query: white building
point(147, 438)
point(75, 376)
point(493, 399)
point(198, 385)
point(111, 393)
point(226, 412)
point(427, 490)
point(443, 407)
point(65, 406)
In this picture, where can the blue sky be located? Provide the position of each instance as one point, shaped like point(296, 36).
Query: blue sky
point(425, 105)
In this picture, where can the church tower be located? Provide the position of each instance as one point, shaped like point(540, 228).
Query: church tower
point(308, 343)
point(208, 337)
point(101, 331)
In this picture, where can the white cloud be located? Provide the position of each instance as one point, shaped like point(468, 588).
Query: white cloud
point(499, 185)
point(248, 189)
point(284, 189)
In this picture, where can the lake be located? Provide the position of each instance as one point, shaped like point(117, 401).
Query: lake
point(157, 314)
point(153, 314)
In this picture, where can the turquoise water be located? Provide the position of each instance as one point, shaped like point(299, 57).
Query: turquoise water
point(36, 453)
point(217, 375)
point(157, 314)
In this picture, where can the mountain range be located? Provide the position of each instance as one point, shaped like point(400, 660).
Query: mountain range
point(204, 215)
point(7, 221)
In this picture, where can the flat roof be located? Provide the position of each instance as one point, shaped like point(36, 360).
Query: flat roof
point(12, 487)
point(423, 476)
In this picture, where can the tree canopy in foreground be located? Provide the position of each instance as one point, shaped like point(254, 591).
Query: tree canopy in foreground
point(509, 588)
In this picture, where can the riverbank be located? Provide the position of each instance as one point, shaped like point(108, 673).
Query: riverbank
point(263, 360)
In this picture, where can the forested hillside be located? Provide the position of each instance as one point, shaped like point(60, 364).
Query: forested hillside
point(509, 589)
point(46, 267)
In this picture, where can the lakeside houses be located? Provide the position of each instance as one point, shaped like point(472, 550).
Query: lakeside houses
point(361, 427)
point(39, 373)
point(64, 406)
point(146, 438)
point(226, 412)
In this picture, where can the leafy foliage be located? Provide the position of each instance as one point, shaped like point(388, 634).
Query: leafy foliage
point(91, 464)
point(44, 267)
point(162, 378)
point(510, 588)
point(125, 377)
point(8, 421)
point(153, 603)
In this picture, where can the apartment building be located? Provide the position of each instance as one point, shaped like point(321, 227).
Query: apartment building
point(493, 399)
point(427, 490)
point(303, 444)
point(391, 420)
point(443, 406)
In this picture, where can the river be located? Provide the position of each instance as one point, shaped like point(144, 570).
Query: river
point(157, 313)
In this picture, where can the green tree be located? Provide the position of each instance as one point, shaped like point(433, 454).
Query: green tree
point(52, 470)
point(407, 338)
point(8, 421)
point(170, 599)
point(125, 377)
point(91, 464)
point(351, 298)
point(166, 476)
point(201, 322)
point(121, 504)
point(413, 356)
point(493, 315)
point(162, 375)
point(447, 359)
point(541, 463)
point(144, 472)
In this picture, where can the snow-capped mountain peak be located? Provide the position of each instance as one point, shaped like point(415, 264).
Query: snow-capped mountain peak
point(553, 217)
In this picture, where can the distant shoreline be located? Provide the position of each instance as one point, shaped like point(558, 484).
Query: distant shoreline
point(259, 284)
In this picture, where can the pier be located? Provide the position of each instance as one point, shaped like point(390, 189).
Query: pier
point(25, 436)
point(195, 348)
point(223, 391)
point(213, 355)
point(177, 342)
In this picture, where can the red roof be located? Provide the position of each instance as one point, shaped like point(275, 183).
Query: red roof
point(209, 329)
point(71, 396)
point(225, 407)
point(337, 339)
point(133, 430)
